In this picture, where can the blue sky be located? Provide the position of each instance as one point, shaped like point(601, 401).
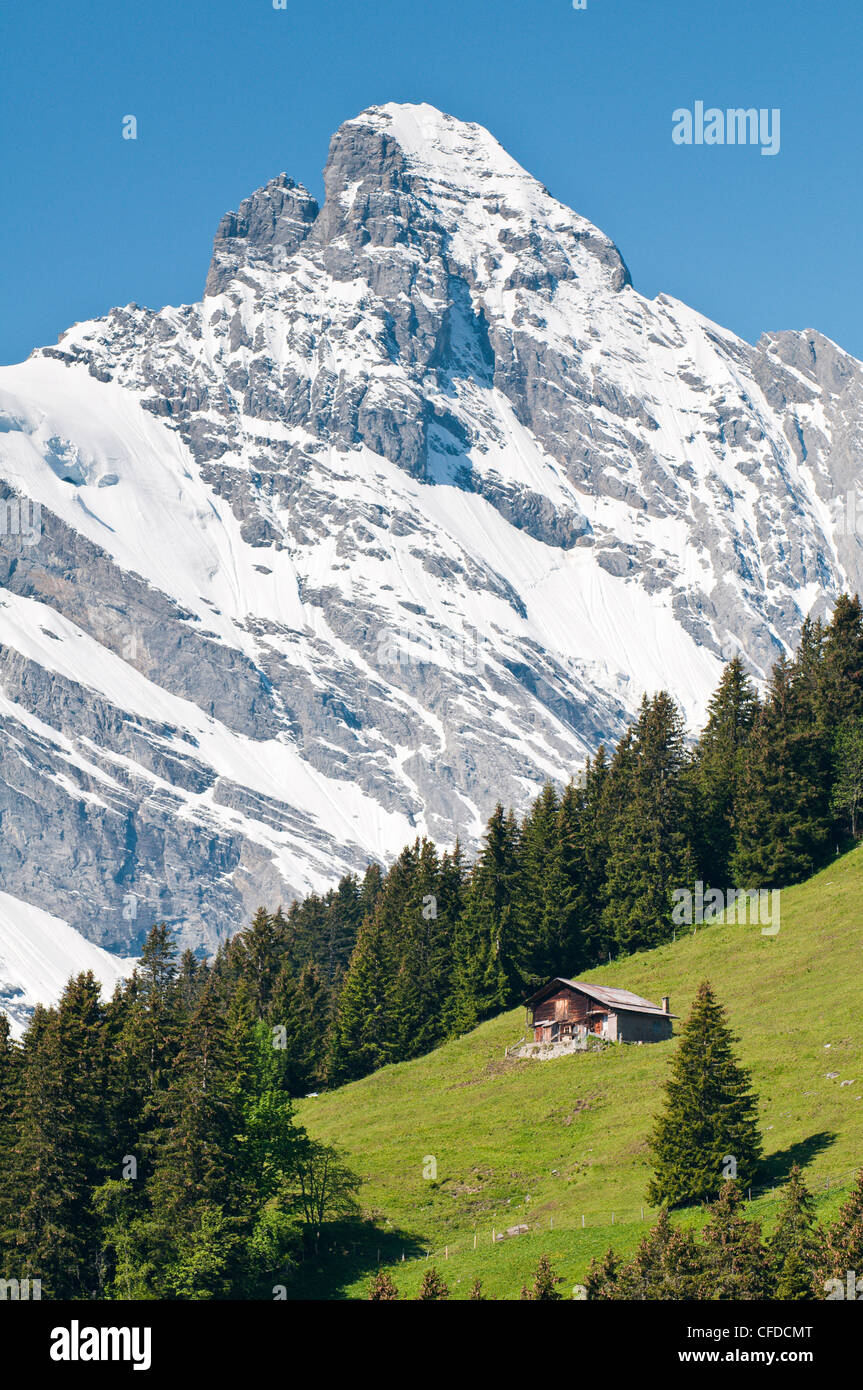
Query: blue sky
point(229, 93)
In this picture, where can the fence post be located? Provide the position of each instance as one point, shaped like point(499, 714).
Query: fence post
point(582, 1220)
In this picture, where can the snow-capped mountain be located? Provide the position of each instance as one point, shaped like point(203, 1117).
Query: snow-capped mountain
point(399, 520)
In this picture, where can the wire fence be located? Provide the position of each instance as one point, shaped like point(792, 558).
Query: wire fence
point(605, 1220)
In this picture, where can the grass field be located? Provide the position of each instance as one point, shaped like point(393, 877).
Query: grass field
point(554, 1144)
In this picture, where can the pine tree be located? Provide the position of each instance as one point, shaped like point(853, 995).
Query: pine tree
point(601, 1279)
point(421, 927)
point(362, 1035)
point(543, 894)
point(382, 1289)
point(299, 1019)
point(143, 1030)
point(10, 1102)
point(544, 1284)
point(584, 825)
point(796, 1244)
point(62, 1143)
point(710, 1112)
point(432, 1286)
point(256, 956)
point(203, 1115)
point(718, 770)
point(650, 852)
point(735, 1264)
point(487, 930)
point(843, 1251)
point(841, 692)
point(666, 1266)
point(782, 816)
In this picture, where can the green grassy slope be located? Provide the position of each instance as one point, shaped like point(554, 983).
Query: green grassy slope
point(549, 1143)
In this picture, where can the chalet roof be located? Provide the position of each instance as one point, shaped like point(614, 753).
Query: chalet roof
point(620, 1000)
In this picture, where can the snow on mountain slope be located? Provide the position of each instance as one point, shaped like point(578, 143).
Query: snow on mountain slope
point(400, 519)
point(38, 954)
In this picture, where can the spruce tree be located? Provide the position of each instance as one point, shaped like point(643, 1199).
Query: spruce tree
point(382, 1289)
point(708, 1126)
point(718, 770)
point(544, 1288)
point(734, 1262)
point(299, 1020)
point(543, 894)
point(488, 930)
point(797, 1242)
point(362, 1035)
point(666, 1266)
point(63, 1143)
point(432, 1286)
point(841, 693)
point(10, 1102)
point(843, 1250)
point(650, 852)
point(782, 816)
point(601, 1279)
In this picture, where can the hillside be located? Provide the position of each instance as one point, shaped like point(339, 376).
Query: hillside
point(543, 1143)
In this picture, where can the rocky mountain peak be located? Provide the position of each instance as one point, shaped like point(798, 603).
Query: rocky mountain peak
point(400, 520)
point(265, 230)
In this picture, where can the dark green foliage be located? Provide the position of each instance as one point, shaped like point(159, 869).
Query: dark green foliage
point(432, 1286)
point(797, 1242)
point(649, 839)
point(148, 1146)
point(667, 1265)
point(601, 1281)
point(734, 1263)
point(843, 1249)
point(10, 1101)
point(382, 1289)
point(731, 1261)
point(708, 1127)
point(486, 941)
point(299, 1019)
point(783, 815)
point(544, 1284)
point(717, 771)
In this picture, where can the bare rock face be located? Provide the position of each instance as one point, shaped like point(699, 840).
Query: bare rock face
point(400, 520)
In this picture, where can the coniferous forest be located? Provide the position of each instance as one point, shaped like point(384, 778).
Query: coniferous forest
point(148, 1144)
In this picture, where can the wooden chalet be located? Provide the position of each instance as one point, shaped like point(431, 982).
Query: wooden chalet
point(565, 1010)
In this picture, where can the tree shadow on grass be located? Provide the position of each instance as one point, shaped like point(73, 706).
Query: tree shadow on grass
point(346, 1252)
point(776, 1167)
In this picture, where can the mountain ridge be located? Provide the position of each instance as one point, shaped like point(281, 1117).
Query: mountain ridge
point(399, 520)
